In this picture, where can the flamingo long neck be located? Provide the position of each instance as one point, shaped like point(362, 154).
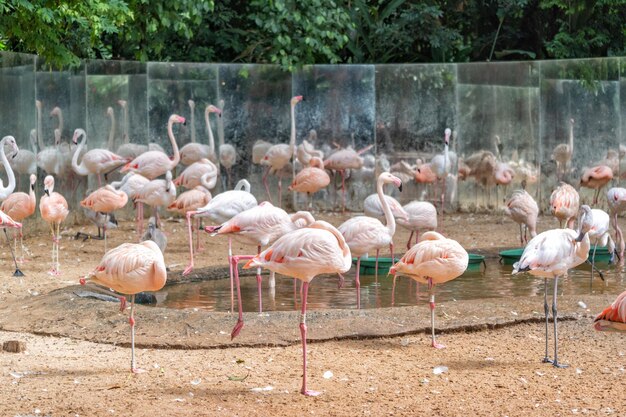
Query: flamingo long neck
point(80, 169)
point(220, 123)
point(170, 133)
point(571, 138)
point(210, 132)
point(292, 138)
point(304, 215)
point(243, 185)
point(445, 158)
point(60, 116)
point(391, 222)
point(125, 124)
point(193, 125)
point(32, 198)
point(111, 141)
point(4, 192)
point(39, 129)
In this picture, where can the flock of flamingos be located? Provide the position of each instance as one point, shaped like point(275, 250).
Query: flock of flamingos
point(296, 245)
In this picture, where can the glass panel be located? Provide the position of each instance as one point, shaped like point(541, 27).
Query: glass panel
point(587, 94)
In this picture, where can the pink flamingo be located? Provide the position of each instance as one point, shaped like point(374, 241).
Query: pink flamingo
point(342, 160)
point(54, 209)
point(8, 141)
point(279, 155)
point(441, 166)
point(190, 177)
point(194, 151)
point(616, 197)
point(132, 184)
point(311, 179)
point(153, 164)
point(563, 153)
point(523, 209)
point(549, 255)
point(421, 215)
point(18, 206)
point(261, 225)
point(564, 203)
point(597, 178)
point(157, 193)
point(94, 161)
point(365, 234)
point(434, 260)
point(8, 222)
point(303, 254)
point(129, 269)
point(192, 200)
point(105, 200)
point(613, 318)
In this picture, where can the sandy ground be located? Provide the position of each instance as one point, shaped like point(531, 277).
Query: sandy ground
point(77, 356)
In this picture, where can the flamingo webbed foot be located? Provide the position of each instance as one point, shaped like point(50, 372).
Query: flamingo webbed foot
point(236, 329)
point(18, 273)
point(438, 345)
point(54, 272)
point(122, 303)
point(188, 270)
point(559, 365)
point(547, 360)
point(309, 393)
point(137, 370)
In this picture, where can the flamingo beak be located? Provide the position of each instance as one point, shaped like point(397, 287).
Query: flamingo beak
point(400, 186)
point(45, 190)
point(580, 237)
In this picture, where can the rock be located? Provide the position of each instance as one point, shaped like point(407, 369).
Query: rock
point(14, 346)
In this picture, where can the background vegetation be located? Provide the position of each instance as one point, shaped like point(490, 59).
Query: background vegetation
point(292, 33)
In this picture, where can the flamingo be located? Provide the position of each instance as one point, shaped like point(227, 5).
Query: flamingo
point(373, 208)
point(131, 184)
point(279, 155)
point(7, 141)
point(8, 222)
point(311, 179)
point(563, 153)
point(94, 161)
point(54, 209)
point(342, 160)
point(303, 254)
point(365, 234)
point(157, 193)
point(549, 255)
point(305, 151)
point(227, 152)
point(421, 215)
point(259, 149)
point(191, 176)
point(24, 162)
point(616, 197)
point(219, 210)
point(129, 269)
point(523, 209)
point(434, 260)
point(152, 164)
point(261, 225)
point(599, 233)
point(19, 206)
point(128, 149)
point(155, 234)
point(564, 204)
point(189, 201)
point(105, 200)
point(596, 178)
point(613, 318)
point(194, 151)
point(441, 166)
point(100, 220)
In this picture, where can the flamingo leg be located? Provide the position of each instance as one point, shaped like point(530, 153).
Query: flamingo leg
point(230, 270)
point(417, 236)
point(140, 219)
point(393, 260)
point(131, 321)
point(343, 191)
point(267, 188)
point(303, 332)
point(280, 189)
point(190, 266)
point(376, 266)
point(593, 264)
point(358, 282)
point(546, 358)
point(235, 260)
point(554, 317)
point(408, 244)
point(432, 315)
point(99, 181)
point(443, 201)
point(17, 272)
point(58, 234)
point(259, 282)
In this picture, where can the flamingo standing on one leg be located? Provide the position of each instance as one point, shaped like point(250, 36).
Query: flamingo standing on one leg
point(613, 318)
point(279, 155)
point(596, 178)
point(342, 160)
point(366, 234)
point(549, 255)
point(153, 164)
point(422, 215)
point(523, 209)
point(129, 269)
point(54, 209)
point(105, 200)
point(189, 201)
point(564, 204)
point(434, 260)
point(311, 179)
point(94, 161)
point(616, 197)
point(303, 254)
point(19, 206)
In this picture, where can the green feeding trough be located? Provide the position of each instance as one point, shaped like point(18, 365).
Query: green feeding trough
point(474, 262)
point(602, 254)
point(510, 256)
point(368, 265)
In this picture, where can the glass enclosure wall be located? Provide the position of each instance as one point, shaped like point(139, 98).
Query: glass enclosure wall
point(513, 125)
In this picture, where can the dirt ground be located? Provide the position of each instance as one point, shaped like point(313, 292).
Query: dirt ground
point(364, 362)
